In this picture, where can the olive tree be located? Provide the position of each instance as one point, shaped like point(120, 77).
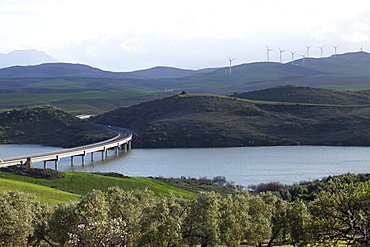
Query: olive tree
point(201, 225)
point(161, 224)
point(62, 222)
point(298, 218)
point(17, 213)
point(342, 212)
point(260, 223)
point(129, 207)
point(235, 219)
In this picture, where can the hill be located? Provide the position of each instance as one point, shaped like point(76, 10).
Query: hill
point(310, 95)
point(218, 121)
point(47, 125)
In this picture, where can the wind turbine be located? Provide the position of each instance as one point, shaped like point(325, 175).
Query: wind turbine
point(268, 53)
point(335, 50)
point(308, 50)
point(292, 55)
point(230, 60)
point(304, 60)
point(281, 54)
point(321, 48)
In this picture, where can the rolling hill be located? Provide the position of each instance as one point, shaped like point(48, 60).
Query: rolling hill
point(80, 88)
point(189, 120)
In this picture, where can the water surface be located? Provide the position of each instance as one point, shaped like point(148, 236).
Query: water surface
point(243, 165)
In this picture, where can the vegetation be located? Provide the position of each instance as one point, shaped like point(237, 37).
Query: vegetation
point(189, 120)
point(47, 125)
point(339, 214)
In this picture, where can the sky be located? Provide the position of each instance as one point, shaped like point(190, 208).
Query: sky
point(127, 35)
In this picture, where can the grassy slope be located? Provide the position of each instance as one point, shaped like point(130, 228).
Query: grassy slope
point(81, 183)
point(43, 193)
point(210, 121)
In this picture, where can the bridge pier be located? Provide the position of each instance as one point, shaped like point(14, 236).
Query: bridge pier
point(92, 156)
point(83, 160)
point(56, 163)
point(72, 160)
point(102, 154)
point(45, 167)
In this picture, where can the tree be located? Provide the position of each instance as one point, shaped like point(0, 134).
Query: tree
point(234, 218)
point(129, 207)
point(108, 232)
point(201, 225)
point(17, 213)
point(41, 225)
point(279, 220)
point(298, 217)
point(161, 224)
point(62, 222)
point(342, 212)
point(260, 223)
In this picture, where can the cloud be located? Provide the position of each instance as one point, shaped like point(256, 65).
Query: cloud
point(357, 37)
point(360, 26)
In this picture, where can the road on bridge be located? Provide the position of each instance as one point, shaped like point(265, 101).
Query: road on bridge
point(124, 137)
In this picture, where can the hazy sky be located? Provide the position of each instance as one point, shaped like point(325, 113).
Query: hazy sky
point(123, 35)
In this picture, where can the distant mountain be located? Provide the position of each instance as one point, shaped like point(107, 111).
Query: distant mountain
point(24, 57)
point(82, 70)
point(161, 72)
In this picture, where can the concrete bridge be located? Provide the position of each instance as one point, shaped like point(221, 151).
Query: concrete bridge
point(121, 141)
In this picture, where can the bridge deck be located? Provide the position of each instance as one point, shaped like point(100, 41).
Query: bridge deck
point(123, 137)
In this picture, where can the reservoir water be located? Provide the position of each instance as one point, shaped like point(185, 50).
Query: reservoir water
point(242, 165)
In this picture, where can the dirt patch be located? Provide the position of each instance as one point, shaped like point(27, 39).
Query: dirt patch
point(33, 172)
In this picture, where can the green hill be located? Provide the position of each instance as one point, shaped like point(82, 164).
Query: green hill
point(218, 121)
point(306, 95)
point(47, 125)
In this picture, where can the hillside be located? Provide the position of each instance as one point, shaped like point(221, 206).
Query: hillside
point(217, 121)
point(310, 95)
point(49, 126)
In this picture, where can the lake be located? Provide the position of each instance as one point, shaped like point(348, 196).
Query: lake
point(242, 165)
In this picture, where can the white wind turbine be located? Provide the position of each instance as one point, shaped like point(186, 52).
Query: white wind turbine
point(268, 53)
point(304, 60)
point(281, 54)
point(308, 50)
point(335, 50)
point(321, 48)
point(292, 55)
point(230, 60)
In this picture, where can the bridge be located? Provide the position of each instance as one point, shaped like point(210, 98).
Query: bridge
point(122, 140)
